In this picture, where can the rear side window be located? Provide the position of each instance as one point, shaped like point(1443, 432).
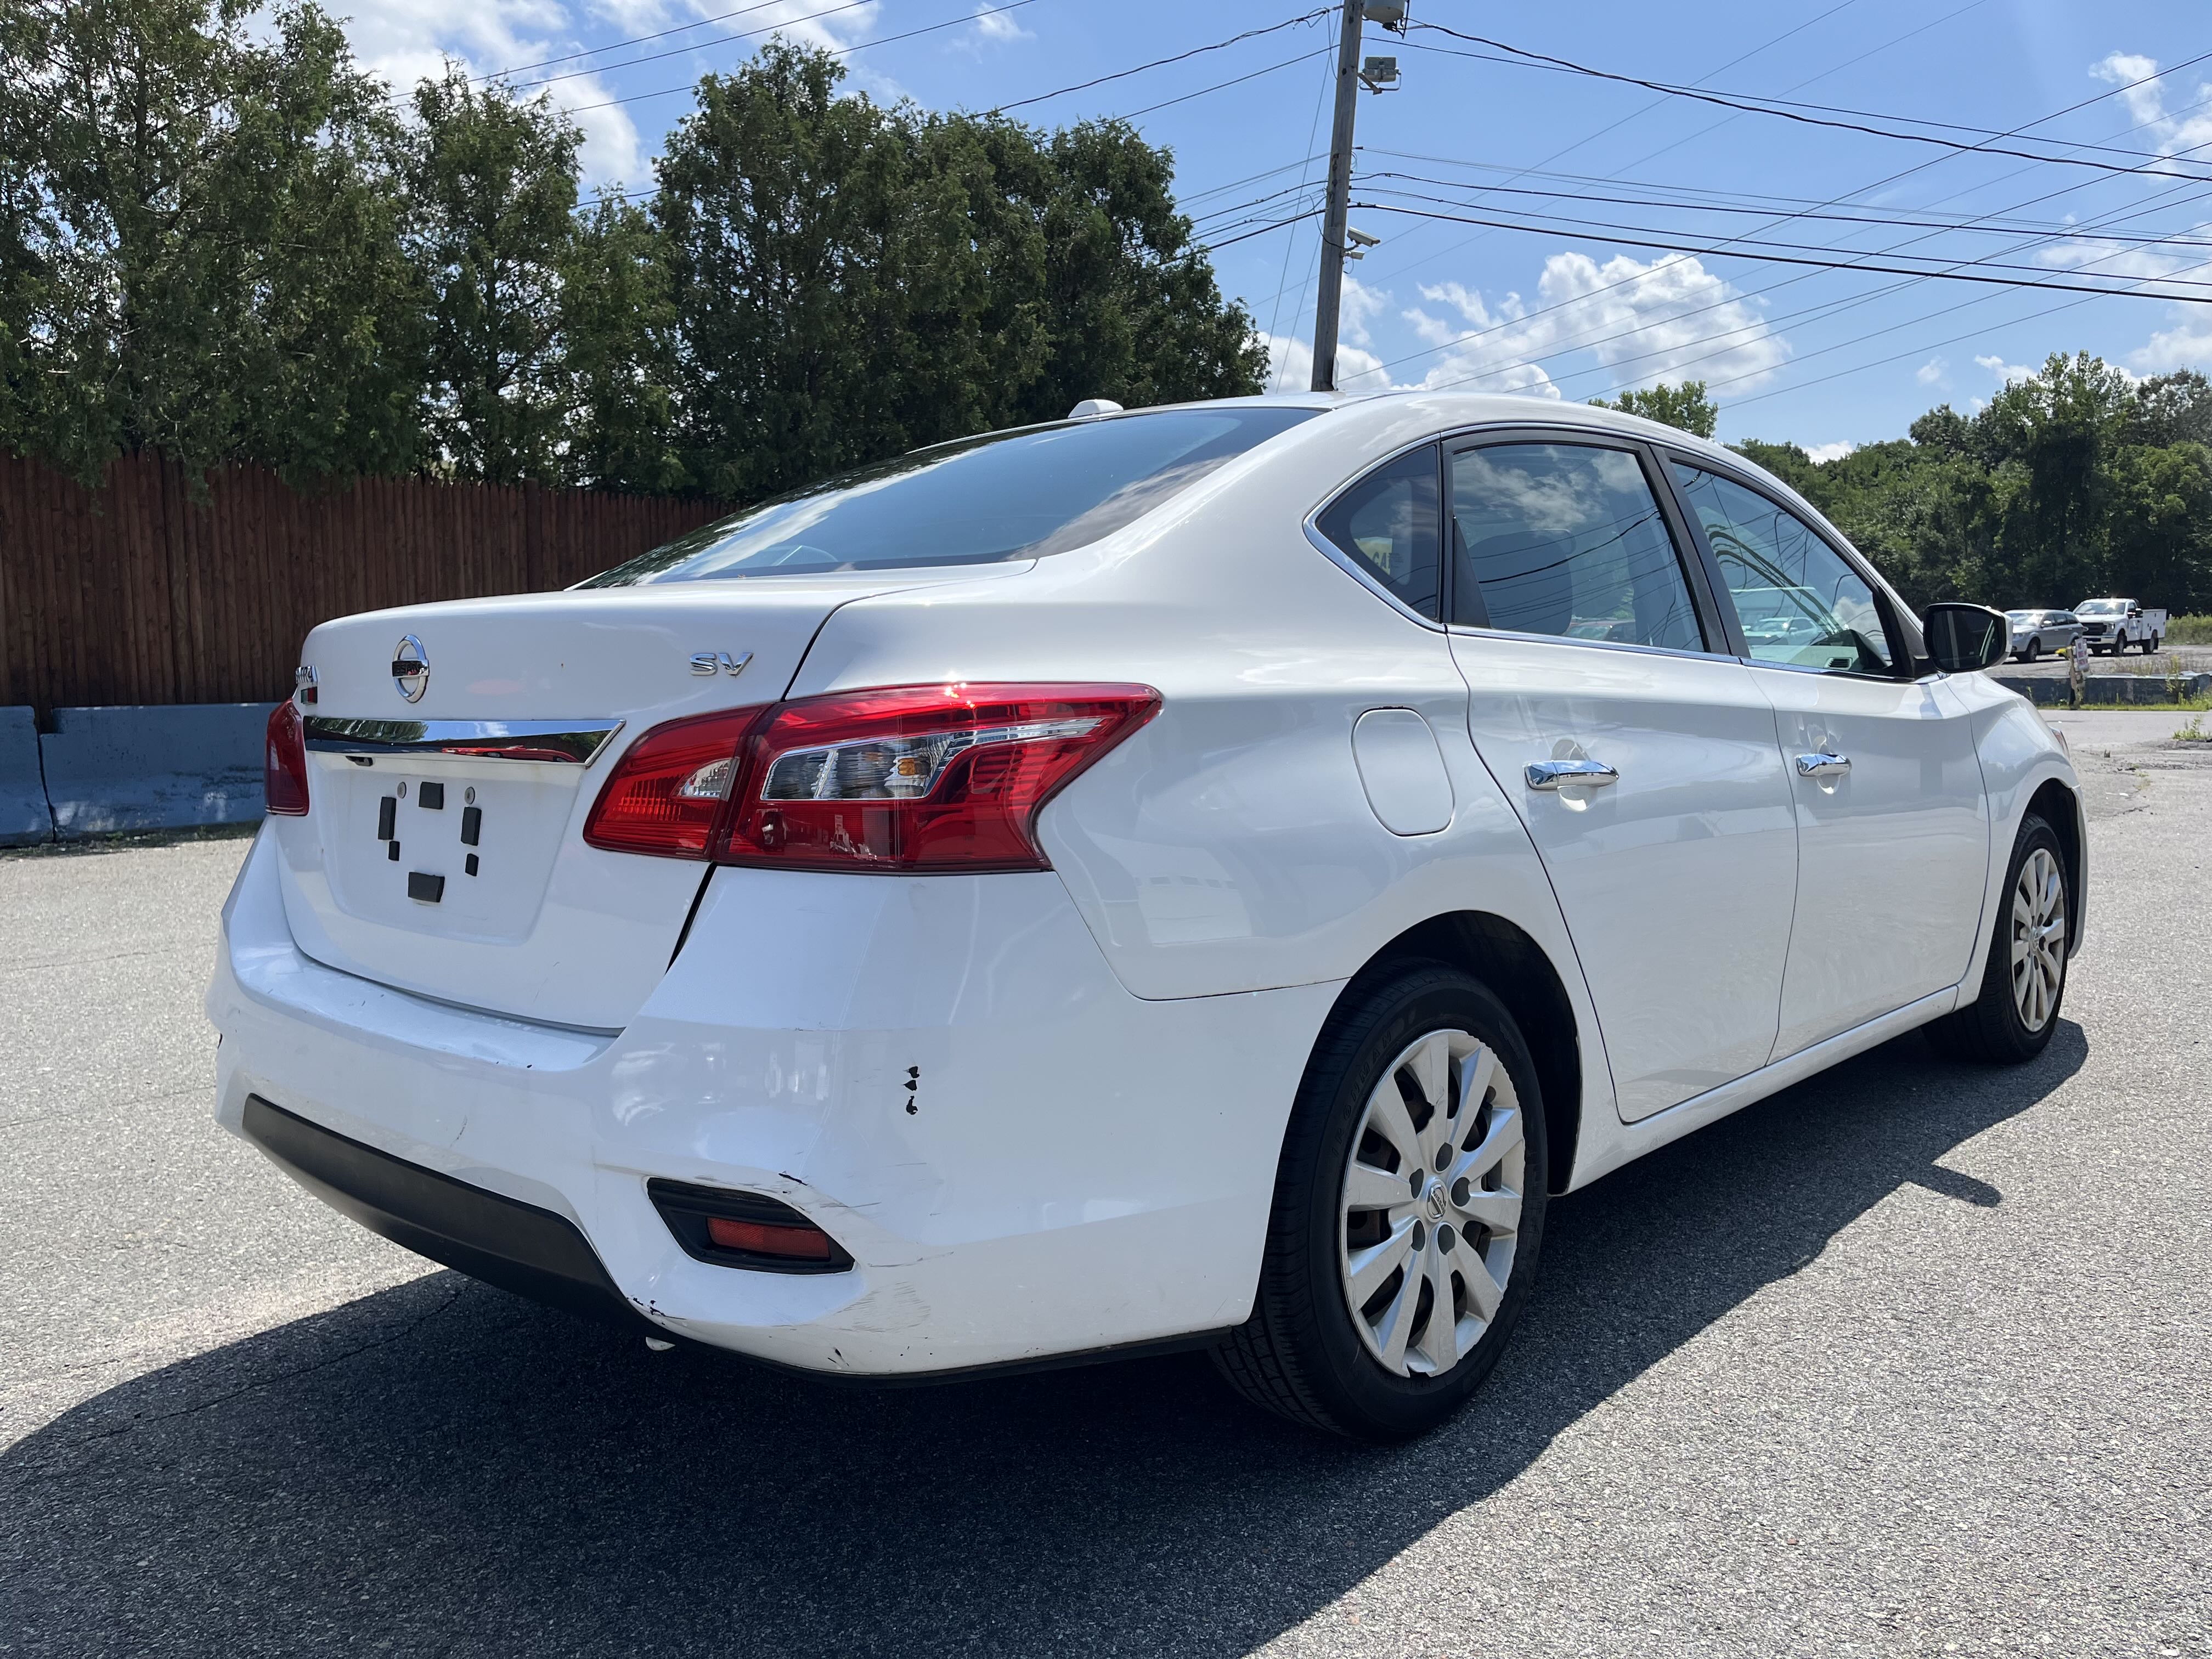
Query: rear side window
point(1566, 539)
point(1800, 603)
point(1387, 525)
point(1007, 496)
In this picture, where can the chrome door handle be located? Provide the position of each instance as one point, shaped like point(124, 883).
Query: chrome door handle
point(1823, 765)
point(1550, 774)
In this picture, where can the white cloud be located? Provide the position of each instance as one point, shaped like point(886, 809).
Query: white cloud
point(2187, 346)
point(1360, 303)
point(1931, 372)
point(1000, 26)
point(1668, 320)
point(1671, 319)
point(1834, 452)
point(1289, 366)
point(406, 40)
point(2004, 371)
point(2146, 101)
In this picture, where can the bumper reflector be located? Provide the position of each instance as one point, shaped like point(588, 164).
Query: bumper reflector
point(800, 1243)
point(744, 1229)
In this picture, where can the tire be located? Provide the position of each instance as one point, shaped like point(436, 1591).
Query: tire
point(2010, 1021)
point(2034, 650)
point(1390, 1370)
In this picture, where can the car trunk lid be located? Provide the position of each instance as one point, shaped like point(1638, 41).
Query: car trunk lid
point(454, 750)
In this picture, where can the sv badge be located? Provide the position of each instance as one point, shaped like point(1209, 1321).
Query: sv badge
point(720, 662)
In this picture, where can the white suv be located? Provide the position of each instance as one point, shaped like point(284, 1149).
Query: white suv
point(1202, 875)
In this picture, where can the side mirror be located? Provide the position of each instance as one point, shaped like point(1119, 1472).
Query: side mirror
point(1962, 638)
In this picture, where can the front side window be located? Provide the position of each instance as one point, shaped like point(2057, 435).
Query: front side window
point(1566, 539)
point(1005, 495)
point(1387, 525)
point(1799, 602)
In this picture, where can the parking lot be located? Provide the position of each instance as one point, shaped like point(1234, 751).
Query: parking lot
point(1913, 1358)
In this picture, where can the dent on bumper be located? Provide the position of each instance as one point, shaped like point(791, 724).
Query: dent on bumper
point(1073, 1168)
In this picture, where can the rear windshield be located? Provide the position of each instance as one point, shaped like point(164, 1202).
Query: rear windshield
point(1008, 495)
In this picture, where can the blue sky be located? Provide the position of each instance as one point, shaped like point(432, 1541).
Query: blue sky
point(1824, 358)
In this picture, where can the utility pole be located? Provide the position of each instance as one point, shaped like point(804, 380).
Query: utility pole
point(1328, 302)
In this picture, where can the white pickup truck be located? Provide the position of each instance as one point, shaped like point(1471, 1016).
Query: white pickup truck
point(2110, 626)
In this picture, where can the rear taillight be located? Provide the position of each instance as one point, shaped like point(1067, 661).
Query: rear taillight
point(907, 780)
point(668, 794)
point(284, 762)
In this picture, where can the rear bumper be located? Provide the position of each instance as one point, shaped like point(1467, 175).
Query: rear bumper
point(1022, 1160)
point(501, 1241)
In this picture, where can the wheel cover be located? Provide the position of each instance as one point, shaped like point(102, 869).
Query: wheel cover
point(1430, 1213)
point(2039, 939)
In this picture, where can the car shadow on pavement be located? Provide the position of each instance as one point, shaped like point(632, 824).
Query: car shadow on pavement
point(440, 1468)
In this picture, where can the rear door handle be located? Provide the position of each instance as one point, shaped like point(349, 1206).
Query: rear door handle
point(1823, 765)
point(1550, 774)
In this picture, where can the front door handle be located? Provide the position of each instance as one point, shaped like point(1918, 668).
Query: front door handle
point(1823, 765)
point(1551, 774)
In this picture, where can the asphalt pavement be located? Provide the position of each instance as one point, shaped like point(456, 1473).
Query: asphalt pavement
point(1915, 1358)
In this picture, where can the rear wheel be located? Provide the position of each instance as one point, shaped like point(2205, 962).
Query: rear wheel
point(1408, 1208)
point(2024, 980)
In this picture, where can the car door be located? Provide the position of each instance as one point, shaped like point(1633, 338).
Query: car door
point(1893, 825)
point(1640, 758)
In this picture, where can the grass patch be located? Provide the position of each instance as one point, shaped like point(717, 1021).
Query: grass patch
point(2192, 705)
point(2189, 630)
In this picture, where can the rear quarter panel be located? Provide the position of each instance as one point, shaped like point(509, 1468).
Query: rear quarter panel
point(1229, 845)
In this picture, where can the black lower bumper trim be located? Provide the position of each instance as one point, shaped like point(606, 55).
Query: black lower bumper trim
point(501, 1241)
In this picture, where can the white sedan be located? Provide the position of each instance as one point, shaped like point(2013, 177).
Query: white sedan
point(1202, 875)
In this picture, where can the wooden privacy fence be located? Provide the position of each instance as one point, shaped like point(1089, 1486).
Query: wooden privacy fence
point(135, 593)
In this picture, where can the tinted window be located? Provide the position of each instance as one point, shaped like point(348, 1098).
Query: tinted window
point(1566, 539)
point(1008, 495)
point(1798, 601)
point(1386, 523)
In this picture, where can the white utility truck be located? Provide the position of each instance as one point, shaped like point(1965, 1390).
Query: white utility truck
point(2110, 626)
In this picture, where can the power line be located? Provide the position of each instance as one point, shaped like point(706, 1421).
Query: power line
point(1162, 62)
point(1986, 262)
point(1526, 58)
point(718, 40)
point(833, 51)
point(1839, 261)
point(1878, 183)
point(1290, 243)
point(1908, 323)
point(2089, 228)
point(634, 41)
point(1982, 226)
point(1872, 52)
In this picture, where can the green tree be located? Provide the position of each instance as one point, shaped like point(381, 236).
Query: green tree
point(2073, 481)
point(490, 225)
point(198, 240)
point(1684, 407)
point(848, 281)
point(617, 324)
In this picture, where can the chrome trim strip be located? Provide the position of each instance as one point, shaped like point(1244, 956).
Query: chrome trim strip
point(567, 743)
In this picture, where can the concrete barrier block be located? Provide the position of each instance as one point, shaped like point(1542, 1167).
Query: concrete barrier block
point(23, 815)
point(155, 768)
